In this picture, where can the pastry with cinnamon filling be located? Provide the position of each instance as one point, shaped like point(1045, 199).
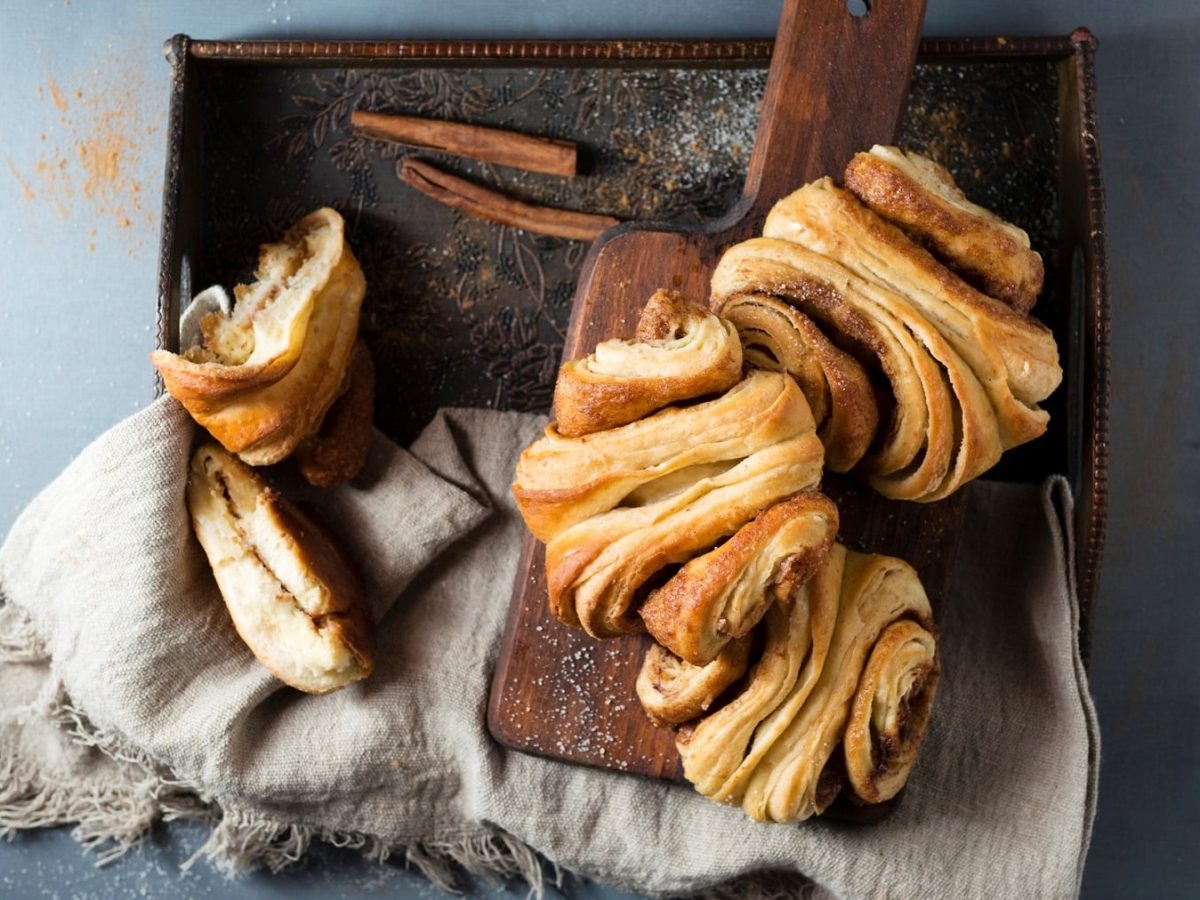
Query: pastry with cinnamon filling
point(262, 379)
point(921, 197)
point(839, 698)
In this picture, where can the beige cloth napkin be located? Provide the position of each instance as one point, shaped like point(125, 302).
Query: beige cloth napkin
point(126, 696)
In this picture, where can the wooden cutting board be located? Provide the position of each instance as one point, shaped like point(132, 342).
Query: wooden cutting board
point(837, 85)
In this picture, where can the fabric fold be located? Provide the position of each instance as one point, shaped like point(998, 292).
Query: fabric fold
point(118, 664)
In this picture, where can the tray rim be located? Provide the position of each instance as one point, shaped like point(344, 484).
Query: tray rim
point(185, 54)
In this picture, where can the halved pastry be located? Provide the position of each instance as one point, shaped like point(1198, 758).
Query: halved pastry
point(262, 379)
point(294, 598)
point(681, 351)
point(921, 197)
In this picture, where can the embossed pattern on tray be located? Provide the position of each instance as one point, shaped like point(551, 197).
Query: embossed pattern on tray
point(463, 312)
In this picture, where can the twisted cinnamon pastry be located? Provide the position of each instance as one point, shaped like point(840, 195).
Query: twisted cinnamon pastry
point(778, 336)
point(718, 597)
point(940, 430)
point(1013, 356)
point(561, 481)
point(262, 379)
point(921, 197)
point(597, 568)
point(851, 661)
point(681, 351)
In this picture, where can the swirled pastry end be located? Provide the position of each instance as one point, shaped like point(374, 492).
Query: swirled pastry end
point(681, 352)
point(921, 197)
point(672, 691)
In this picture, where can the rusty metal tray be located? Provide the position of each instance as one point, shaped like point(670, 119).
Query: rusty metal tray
point(462, 312)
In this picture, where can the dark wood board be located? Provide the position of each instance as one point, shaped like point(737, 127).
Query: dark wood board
point(837, 84)
point(1013, 119)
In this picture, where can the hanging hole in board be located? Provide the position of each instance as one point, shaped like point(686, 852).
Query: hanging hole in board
point(858, 8)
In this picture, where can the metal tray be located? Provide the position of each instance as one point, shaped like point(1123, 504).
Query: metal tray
point(461, 312)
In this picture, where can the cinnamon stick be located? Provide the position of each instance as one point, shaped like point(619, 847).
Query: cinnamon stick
point(494, 145)
point(485, 203)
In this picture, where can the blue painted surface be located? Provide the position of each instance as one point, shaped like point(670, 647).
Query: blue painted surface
point(78, 263)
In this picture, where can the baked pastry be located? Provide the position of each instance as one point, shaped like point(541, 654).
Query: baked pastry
point(294, 598)
point(839, 699)
point(561, 481)
point(672, 691)
point(618, 507)
point(1013, 355)
point(721, 751)
point(940, 430)
point(777, 336)
point(597, 570)
point(338, 451)
point(681, 351)
point(921, 197)
point(262, 379)
point(958, 375)
point(719, 596)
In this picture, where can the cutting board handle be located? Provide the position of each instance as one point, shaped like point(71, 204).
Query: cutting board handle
point(831, 91)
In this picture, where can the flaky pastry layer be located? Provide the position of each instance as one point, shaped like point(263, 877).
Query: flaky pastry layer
point(293, 597)
point(262, 379)
point(681, 351)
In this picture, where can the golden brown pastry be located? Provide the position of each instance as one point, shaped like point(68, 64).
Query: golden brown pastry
point(941, 429)
point(722, 750)
point(294, 598)
point(721, 595)
point(672, 691)
point(596, 570)
point(262, 379)
point(777, 336)
point(921, 197)
point(338, 451)
point(890, 711)
point(561, 481)
point(681, 351)
point(850, 669)
point(1013, 355)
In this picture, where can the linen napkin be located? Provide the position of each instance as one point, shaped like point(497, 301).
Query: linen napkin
point(125, 696)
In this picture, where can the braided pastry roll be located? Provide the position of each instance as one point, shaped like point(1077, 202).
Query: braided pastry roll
point(1013, 355)
point(778, 336)
point(561, 481)
point(681, 351)
point(921, 197)
point(262, 379)
point(840, 697)
point(718, 597)
point(941, 429)
point(595, 570)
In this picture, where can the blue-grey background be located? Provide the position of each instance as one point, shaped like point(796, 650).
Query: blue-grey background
point(77, 287)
